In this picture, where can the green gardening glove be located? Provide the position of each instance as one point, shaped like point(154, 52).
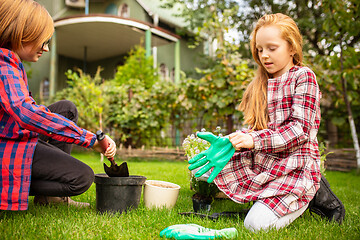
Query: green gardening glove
point(193, 231)
point(216, 156)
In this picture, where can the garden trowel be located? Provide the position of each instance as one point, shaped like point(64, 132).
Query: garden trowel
point(114, 170)
point(241, 213)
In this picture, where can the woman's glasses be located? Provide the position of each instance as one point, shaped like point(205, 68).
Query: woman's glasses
point(46, 44)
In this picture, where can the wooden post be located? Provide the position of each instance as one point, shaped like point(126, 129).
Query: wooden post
point(53, 66)
point(148, 43)
point(177, 62)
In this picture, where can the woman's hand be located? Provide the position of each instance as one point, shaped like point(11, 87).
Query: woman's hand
point(111, 149)
point(241, 140)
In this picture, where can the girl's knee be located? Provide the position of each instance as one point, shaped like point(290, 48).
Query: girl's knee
point(260, 217)
point(250, 223)
point(255, 223)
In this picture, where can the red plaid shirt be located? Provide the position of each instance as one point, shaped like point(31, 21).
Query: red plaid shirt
point(282, 171)
point(21, 122)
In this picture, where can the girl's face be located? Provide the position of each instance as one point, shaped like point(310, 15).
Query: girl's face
point(31, 54)
point(275, 54)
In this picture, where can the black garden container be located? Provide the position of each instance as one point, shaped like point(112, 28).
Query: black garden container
point(201, 204)
point(118, 194)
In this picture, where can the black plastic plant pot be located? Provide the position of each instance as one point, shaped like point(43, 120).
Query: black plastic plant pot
point(200, 204)
point(118, 194)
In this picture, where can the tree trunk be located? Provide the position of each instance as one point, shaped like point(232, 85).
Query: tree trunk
point(332, 133)
point(229, 123)
point(348, 107)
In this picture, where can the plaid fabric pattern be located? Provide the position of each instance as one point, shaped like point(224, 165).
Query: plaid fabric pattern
point(282, 171)
point(21, 120)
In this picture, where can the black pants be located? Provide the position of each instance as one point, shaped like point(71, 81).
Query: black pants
point(54, 171)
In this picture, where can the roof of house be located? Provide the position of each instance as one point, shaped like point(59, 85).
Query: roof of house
point(103, 35)
point(167, 15)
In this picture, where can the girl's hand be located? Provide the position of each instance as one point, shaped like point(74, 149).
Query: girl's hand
point(241, 140)
point(111, 149)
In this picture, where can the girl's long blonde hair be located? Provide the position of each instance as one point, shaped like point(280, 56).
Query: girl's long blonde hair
point(254, 101)
point(23, 22)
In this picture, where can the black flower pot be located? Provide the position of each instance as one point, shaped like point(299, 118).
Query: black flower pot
point(118, 194)
point(201, 203)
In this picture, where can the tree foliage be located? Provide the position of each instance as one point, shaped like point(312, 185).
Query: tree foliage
point(141, 103)
point(217, 93)
point(343, 25)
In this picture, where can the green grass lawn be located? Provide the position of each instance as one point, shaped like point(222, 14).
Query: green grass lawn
point(61, 222)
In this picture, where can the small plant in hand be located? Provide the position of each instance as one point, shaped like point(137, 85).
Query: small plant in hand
point(204, 191)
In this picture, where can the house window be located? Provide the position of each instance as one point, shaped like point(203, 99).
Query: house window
point(124, 11)
point(164, 72)
point(111, 9)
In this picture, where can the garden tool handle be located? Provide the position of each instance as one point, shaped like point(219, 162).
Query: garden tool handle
point(104, 144)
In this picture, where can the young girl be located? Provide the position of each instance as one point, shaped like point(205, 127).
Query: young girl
point(35, 141)
point(277, 163)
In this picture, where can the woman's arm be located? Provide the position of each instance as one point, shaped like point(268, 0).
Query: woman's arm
point(16, 102)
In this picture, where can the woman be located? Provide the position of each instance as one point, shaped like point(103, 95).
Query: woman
point(41, 166)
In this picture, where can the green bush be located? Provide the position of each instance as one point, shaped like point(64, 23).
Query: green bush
point(141, 102)
point(134, 107)
point(87, 93)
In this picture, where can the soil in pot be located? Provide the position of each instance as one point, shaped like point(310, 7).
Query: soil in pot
point(201, 203)
point(157, 184)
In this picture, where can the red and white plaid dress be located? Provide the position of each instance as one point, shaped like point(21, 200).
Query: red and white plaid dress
point(283, 169)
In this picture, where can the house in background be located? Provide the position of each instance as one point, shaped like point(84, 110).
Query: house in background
point(92, 33)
